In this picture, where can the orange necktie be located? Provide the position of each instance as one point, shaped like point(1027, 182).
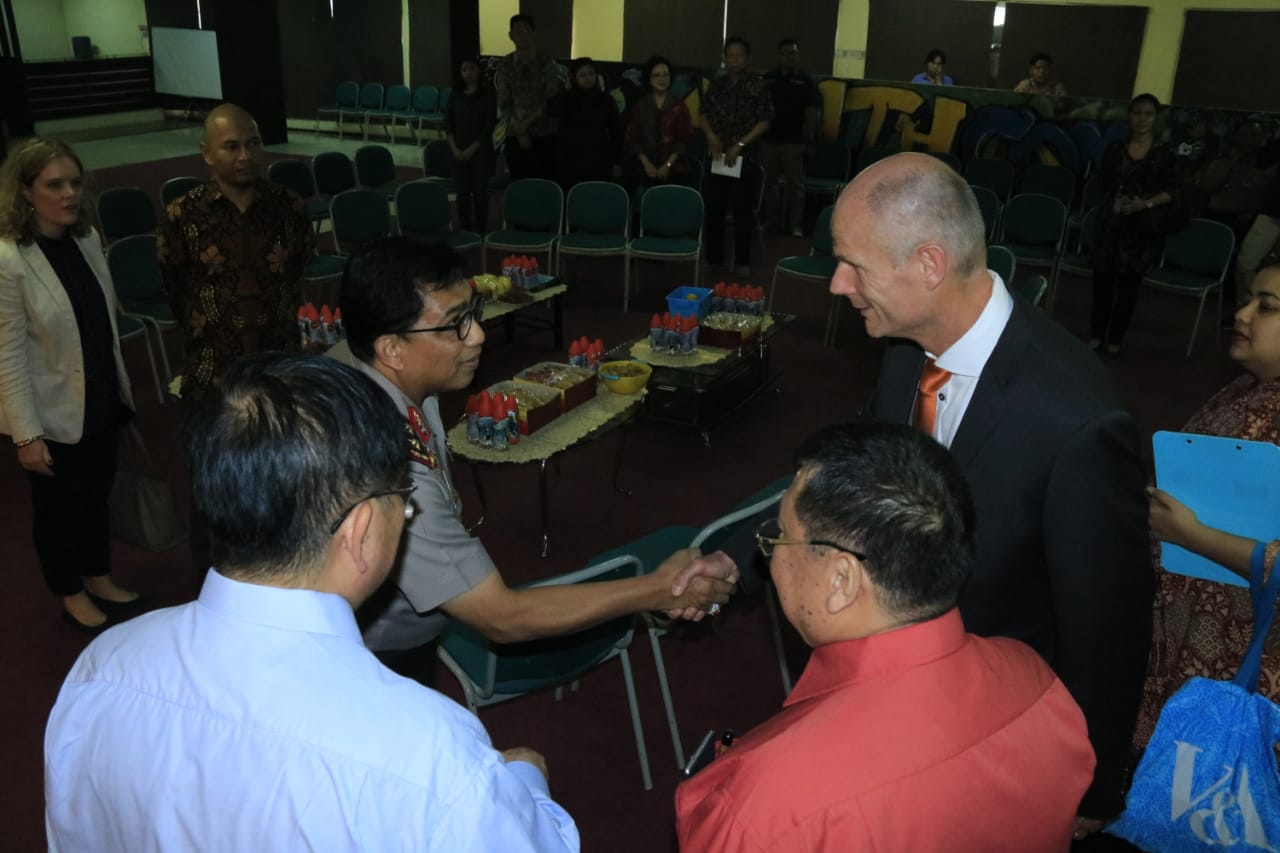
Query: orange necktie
point(932, 378)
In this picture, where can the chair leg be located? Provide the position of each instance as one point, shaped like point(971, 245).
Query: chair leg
point(626, 281)
point(665, 688)
point(1195, 327)
point(635, 721)
point(773, 286)
point(771, 604)
point(833, 318)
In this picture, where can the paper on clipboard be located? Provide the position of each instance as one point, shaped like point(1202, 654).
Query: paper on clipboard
point(719, 168)
point(1230, 484)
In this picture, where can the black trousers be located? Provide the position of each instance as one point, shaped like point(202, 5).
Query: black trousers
point(70, 520)
point(536, 161)
point(472, 181)
point(721, 193)
point(1115, 295)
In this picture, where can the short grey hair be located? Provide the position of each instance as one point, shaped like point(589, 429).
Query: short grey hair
point(930, 205)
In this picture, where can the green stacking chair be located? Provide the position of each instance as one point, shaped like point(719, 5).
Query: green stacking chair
point(397, 106)
point(491, 672)
point(989, 204)
point(993, 173)
point(828, 169)
point(1077, 259)
point(950, 159)
point(1003, 262)
point(135, 272)
point(1034, 227)
point(376, 170)
point(1033, 288)
point(296, 175)
point(333, 173)
point(346, 99)
point(371, 100)
point(359, 217)
point(423, 212)
point(124, 212)
point(597, 222)
point(872, 154)
point(422, 104)
point(435, 118)
point(532, 209)
point(1195, 262)
point(130, 326)
point(437, 163)
point(670, 230)
point(1055, 181)
point(818, 266)
point(176, 188)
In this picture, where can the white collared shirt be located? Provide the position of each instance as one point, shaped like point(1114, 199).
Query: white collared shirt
point(966, 358)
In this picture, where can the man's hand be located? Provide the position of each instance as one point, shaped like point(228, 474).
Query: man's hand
point(528, 756)
point(649, 171)
point(731, 156)
point(663, 172)
point(698, 582)
point(1085, 826)
point(1170, 520)
point(35, 458)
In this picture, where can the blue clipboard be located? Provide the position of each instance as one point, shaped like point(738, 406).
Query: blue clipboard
point(1230, 484)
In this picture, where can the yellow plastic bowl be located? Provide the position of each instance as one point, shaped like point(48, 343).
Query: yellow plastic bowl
point(625, 377)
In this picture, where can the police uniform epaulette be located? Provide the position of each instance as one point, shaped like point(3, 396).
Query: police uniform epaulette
point(419, 436)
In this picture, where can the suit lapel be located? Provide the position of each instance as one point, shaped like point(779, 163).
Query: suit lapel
point(989, 404)
point(38, 266)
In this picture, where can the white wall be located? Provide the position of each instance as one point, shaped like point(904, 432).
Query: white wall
point(42, 30)
point(112, 25)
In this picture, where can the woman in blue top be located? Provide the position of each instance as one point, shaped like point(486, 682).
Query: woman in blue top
point(932, 73)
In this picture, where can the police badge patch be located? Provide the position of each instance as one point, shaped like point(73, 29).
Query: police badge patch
point(419, 435)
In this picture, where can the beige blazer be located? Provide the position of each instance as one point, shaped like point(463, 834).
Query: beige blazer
point(41, 361)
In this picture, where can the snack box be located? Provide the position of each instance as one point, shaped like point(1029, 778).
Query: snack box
point(729, 331)
point(538, 404)
point(577, 385)
point(689, 301)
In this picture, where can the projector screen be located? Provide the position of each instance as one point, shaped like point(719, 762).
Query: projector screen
point(186, 63)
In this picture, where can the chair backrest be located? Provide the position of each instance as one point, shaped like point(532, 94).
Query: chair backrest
point(947, 157)
point(598, 207)
point(295, 175)
point(533, 204)
point(135, 272)
point(422, 207)
point(989, 204)
point(1204, 247)
point(348, 94)
point(446, 95)
point(757, 175)
point(371, 96)
point(991, 172)
point(1034, 220)
point(176, 188)
point(1033, 288)
point(425, 99)
point(437, 159)
point(823, 243)
point(375, 166)
point(123, 211)
point(715, 534)
point(671, 211)
point(398, 97)
point(333, 172)
point(1093, 192)
point(873, 154)
point(1088, 229)
point(1056, 181)
point(359, 217)
point(500, 672)
point(1002, 262)
point(830, 161)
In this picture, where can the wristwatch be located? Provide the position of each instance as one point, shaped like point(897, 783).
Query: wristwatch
point(1149, 204)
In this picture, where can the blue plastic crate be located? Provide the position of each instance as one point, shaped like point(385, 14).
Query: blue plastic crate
point(679, 303)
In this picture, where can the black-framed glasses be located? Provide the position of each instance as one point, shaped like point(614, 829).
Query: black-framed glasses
point(409, 509)
point(461, 326)
point(768, 538)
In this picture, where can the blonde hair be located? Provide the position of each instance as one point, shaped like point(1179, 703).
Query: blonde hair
point(24, 164)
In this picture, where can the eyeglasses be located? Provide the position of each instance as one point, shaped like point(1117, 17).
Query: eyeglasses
point(409, 509)
point(767, 539)
point(462, 325)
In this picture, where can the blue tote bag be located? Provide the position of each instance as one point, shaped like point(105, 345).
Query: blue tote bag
point(1209, 777)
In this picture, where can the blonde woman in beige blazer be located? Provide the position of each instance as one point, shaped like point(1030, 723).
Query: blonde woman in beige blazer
point(64, 392)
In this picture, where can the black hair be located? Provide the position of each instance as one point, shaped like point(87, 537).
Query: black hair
point(652, 63)
point(894, 494)
point(292, 442)
point(732, 40)
point(576, 65)
point(522, 18)
point(936, 54)
point(384, 284)
point(1036, 57)
point(786, 42)
point(1146, 97)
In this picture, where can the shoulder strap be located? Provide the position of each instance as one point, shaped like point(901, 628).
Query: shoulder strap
point(1264, 611)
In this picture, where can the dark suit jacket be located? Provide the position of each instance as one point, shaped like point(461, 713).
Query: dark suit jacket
point(1063, 558)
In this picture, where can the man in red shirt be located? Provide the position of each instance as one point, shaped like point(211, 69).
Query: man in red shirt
point(904, 733)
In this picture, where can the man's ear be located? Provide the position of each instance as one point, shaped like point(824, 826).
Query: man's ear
point(389, 350)
point(204, 152)
point(932, 259)
point(353, 536)
point(847, 582)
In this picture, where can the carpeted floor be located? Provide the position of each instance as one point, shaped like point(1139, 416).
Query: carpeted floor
point(721, 676)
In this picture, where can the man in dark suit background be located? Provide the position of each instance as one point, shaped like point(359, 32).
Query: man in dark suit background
point(1030, 415)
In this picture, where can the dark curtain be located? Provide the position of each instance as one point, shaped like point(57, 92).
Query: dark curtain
point(368, 37)
point(1094, 48)
point(688, 32)
point(900, 34)
point(764, 22)
point(309, 52)
point(171, 13)
point(1225, 59)
point(554, 20)
point(464, 36)
point(430, 56)
point(249, 58)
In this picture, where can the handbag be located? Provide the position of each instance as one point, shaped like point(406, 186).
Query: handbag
point(143, 510)
point(1209, 777)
